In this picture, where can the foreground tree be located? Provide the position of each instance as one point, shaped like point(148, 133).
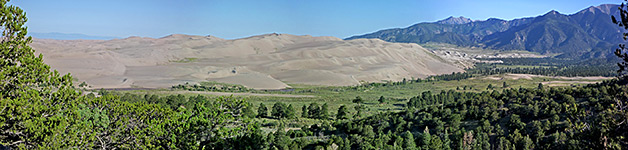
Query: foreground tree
point(34, 101)
point(620, 52)
point(39, 109)
point(205, 125)
point(608, 128)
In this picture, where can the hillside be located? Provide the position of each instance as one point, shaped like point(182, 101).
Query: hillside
point(586, 34)
point(264, 62)
point(68, 36)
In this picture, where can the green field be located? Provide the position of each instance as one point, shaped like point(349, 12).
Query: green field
point(396, 94)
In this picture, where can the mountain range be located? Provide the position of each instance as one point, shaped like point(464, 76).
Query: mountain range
point(586, 34)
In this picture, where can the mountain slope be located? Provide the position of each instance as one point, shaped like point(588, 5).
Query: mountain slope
point(455, 20)
point(68, 36)
point(264, 62)
point(588, 33)
point(459, 34)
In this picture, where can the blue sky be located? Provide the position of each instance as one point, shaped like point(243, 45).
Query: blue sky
point(239, 18)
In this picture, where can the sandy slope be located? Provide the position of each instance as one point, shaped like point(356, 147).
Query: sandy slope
point(264, 62)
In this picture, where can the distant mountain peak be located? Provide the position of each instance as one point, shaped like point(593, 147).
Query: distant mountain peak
point(604, 8)
point(552, 12)
point(68, 36)
point(495, 20)
point(176, 36)
point(455, 20)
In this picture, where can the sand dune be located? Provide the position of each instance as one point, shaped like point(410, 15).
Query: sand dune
point(264, 62)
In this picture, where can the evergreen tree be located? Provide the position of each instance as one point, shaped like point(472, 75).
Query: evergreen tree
point(346, 145)
point(358, 100)
point(314, 111)
point(304, 113)
point(324, 114)
point(281, 141)
point(446, 141)
point(381, 100)
point(279, 110)
point(426, 138)
point(620, 52)
point(504, 144)
point(527, 143)
point(343, 112)
point(540, 86)
point(248, 111)
point(358, 111)
point(295, 146)
point(408, 141)
point(436, 143)
point(455, 122)
point(515, 122)
point(262, 111)
point(38, 106)
point(290, 112)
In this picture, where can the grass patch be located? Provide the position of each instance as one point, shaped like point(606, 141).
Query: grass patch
point(185, 60)
point(396, 95)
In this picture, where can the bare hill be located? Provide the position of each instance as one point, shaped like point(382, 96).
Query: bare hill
point(263, 62)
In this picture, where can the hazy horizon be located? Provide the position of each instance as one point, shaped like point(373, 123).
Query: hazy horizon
point(231, 20)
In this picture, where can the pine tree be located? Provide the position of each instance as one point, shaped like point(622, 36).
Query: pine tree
point(314, 110)
point(504, 143)
point(358, 111)
point(343, 112)
point(446, 141)
point(324, 114)
point(346, 145)
point(304, 113)
point(279, 110)
point(408, 141)
point(35, 100)
point(248, 111)
point(540, 86)
point(527, 143)
point(358, 100)
point(381, 100)
point(621, 51)
point(436, 143)
point(262, 111)
point(281, 140)
point(426, 138)
point(290, 112)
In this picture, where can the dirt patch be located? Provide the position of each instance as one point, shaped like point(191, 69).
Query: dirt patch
point(238, 94)
point(566, 83)
point(520, 76)
point(530, 76)
point(585, 78)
